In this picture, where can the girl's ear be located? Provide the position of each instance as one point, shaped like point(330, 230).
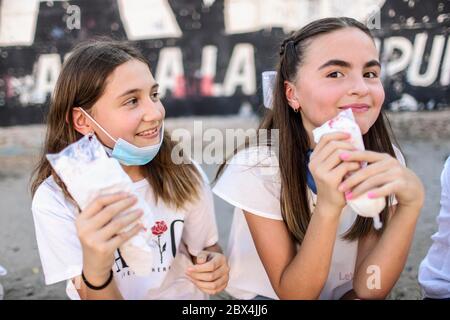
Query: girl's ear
point(80, 123)
point(290, 92)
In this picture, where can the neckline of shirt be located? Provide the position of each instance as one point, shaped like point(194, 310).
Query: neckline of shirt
point(140, 183)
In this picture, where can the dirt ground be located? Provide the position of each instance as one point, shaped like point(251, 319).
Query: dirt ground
point(18, 248)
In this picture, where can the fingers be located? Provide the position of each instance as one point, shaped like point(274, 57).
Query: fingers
point(123, 237)
point(209, 276)
point(211, 287)
point(334, 160)
point(330, 149)
point(370, 184)
point(383, 191)
point(208, 266)
point(365, 156)
point(330, 137)
point(102, 201)
point(117, 225)
point(345, 167)
point(112, 210)
point(365, 175)
point(202, 257)
point(380, 163)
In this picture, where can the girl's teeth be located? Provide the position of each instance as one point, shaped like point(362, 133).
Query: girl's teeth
point(146, 132)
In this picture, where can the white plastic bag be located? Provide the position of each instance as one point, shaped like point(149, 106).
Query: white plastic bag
point(88, 172)
point(345, 122)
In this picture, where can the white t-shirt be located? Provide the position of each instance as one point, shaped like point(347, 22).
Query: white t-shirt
point(251, 182)
point(434, 271)
point(189, 230)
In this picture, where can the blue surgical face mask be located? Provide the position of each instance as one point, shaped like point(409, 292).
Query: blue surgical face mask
point(127, 153)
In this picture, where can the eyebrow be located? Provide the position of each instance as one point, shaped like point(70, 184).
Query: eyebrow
point(134, 90)
point(345, 64)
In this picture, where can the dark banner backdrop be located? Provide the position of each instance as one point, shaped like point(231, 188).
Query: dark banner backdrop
point(208, 56)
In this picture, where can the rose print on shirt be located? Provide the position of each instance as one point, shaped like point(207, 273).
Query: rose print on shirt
point(158, 229)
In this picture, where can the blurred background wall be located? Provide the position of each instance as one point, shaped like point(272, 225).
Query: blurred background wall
point(208, 55)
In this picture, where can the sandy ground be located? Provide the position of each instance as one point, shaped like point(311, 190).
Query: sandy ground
point(19, 254)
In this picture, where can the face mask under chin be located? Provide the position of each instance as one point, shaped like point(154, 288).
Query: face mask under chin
point(126, 153)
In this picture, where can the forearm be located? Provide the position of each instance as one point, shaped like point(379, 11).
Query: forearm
point(306, 275)
point(388, 256)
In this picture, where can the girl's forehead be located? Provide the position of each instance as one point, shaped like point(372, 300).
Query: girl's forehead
point(131, 73)
point(348, 44)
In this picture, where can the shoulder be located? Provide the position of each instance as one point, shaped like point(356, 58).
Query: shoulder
point(205, 198)
point(49, 198)
point(255, 156)
point(260, 163)
point(251, 182)
point(200, 171)
point(48, 189)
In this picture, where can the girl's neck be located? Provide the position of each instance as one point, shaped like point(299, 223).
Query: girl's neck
point(312, 144)
point(134, 172)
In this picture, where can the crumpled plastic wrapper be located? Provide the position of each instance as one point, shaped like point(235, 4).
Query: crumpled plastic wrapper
point(345, 122)
point(88, 172)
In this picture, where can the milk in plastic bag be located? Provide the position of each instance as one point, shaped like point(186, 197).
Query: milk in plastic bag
point(345, 122)
point(88, 172)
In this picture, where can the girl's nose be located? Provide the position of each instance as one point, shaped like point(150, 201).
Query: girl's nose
point(358, 87)
point(153, 111)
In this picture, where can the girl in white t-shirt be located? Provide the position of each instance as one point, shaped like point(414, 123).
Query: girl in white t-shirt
point(293, 236)
point(106, 87)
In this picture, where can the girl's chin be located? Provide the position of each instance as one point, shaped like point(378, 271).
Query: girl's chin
point(364, 124)
point(364, 128)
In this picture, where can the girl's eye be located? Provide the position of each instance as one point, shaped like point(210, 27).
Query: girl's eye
point(371, 74)
point(335, 74)
point(155, 96)
point(131, 102)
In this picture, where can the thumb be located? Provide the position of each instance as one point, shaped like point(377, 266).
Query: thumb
point(202, 257)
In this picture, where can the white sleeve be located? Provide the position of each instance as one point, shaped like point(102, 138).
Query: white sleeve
point(445, 192)
point(251, 183)
point(200, 227)
point(57, 239)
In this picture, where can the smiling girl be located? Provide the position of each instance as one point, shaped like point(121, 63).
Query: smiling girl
point(106, 88)
point(293, 236)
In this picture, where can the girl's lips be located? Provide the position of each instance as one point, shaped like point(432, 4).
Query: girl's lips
point(357, 108)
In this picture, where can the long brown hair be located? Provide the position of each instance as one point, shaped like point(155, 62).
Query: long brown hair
point(293, 138)
point(81, 83)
